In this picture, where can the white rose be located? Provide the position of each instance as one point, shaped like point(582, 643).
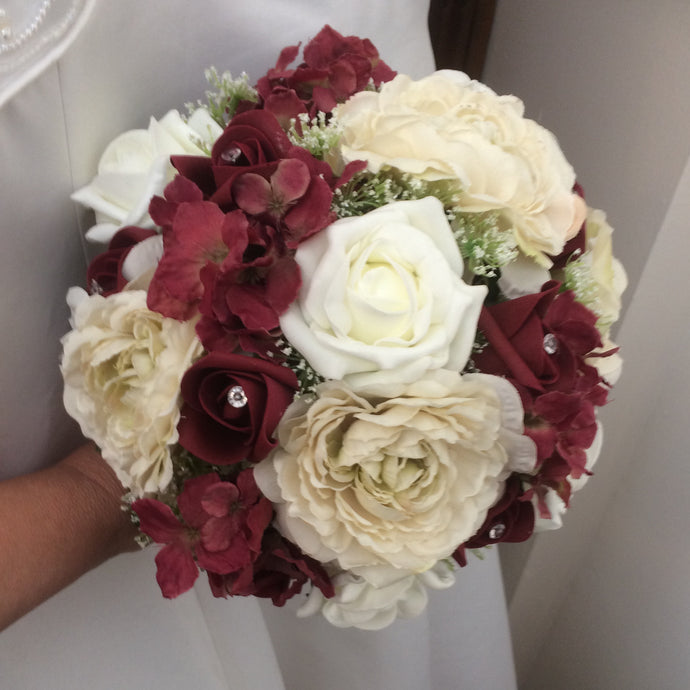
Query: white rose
point(122, 365)
point(136, 166)
point(382, 296)
point(372, 598)
point(400, 477)
point(449, 127)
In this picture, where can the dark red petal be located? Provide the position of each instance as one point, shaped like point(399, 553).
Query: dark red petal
point(176, 570)
point(252, 193)
point(157, 520)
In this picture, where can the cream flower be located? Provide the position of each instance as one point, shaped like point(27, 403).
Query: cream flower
point(399, 477)
point(136, 166)
point(448, 127)
point(383, 298)
point(606, 271)
point(372, 598)
point(122, 365)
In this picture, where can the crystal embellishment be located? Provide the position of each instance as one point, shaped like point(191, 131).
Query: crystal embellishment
point(231, 155)
point(237, 397)
point(550, 344)
point(497, 531)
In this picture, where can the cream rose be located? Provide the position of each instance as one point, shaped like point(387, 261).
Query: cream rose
point(449, 127)
point(136, 166)
point(400, 477)
point(372, 598)
point(605, 270)
point(383, 298)
point(122, 365)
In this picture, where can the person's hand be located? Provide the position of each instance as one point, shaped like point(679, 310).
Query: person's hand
point(55, 525)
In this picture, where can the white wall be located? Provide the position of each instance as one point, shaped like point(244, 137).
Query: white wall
point(604, 602)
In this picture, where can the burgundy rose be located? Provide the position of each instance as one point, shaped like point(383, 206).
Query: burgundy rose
point(334, 68)
point(278, 573)
point(220, 528)
point(253, 141)
point(538, 341)
point(104, 274)
point(511, 519)
point(232, 405)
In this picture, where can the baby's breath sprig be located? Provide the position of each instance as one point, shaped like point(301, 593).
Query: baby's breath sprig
point(307, 377)
point(225, 95)
point(367, 191)
point(319, 135)
point(483, 243)
point(577, 276)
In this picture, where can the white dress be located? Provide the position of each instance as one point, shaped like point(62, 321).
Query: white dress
point(133, 59)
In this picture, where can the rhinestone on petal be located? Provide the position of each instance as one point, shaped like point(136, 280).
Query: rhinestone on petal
point(231, 155)
point(550, 344)
point(497, 531)
point(237, 397)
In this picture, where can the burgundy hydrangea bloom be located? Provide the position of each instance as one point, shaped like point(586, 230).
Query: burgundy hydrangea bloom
point(104, 274)
point(278, 573)
point(292, 199)
point(220, 432)
point(220, 529)
point(334, 68)
point(236, 273)
point(244, 296)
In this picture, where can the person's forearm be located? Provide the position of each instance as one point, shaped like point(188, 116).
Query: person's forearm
point(55, 525)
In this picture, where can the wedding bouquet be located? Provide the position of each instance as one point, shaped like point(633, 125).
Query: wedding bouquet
point(348, 326)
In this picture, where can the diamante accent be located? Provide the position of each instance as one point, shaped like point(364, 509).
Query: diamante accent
point(231, 155)
point(497, 531)
point(237, 397)
point(550, 344)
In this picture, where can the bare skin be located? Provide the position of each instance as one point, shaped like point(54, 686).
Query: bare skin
point(55, 525)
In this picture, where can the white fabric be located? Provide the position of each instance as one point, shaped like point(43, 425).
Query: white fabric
point(112, 629)
point(27, 53)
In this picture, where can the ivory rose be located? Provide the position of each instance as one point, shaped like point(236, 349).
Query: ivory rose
point(449, 127)
point(122, 365)
point(136, 166)
point(382, 296)
point(400, 477)
point(372, 598)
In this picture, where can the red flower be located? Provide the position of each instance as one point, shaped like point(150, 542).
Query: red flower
point(215, 430)
point(104, 274)
point(253, 142)
point(278, 573)
point(334, 68)
point(539, 341)
point(511, 519)
point(293, 199)
point(220, 529)
point(245, 295)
